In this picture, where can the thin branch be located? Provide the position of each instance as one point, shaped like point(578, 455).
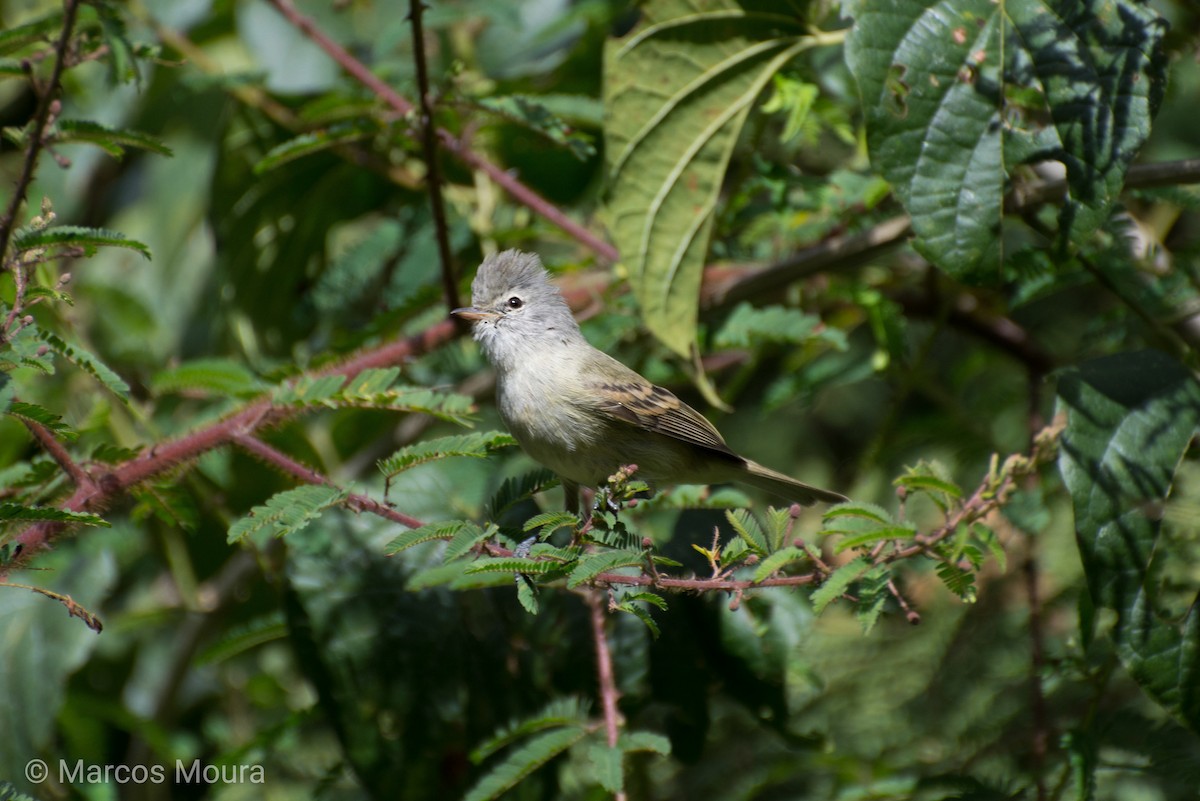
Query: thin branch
point(519, 191)
point(433, 174)
point(604, 667)
point(356, 501)
point(41, 121)
point(58, 453)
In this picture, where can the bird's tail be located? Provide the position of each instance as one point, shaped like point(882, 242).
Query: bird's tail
point(768, 480)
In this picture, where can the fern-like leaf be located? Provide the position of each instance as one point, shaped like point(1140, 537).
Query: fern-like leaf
point(286, 512)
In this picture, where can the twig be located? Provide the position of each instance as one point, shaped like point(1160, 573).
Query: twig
point(522, 193)
point(41, 120)
point(1041, 722)
point(604, 666)
point(356, 501)
point(433, 174)
point(58, 453)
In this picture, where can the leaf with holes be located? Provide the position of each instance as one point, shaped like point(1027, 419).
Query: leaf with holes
point(959, 94)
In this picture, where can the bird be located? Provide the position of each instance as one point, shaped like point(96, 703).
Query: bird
point(582, 413)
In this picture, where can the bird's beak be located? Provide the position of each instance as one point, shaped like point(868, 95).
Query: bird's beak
point(473, 314)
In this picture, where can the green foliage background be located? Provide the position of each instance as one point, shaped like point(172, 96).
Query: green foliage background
point(240, 219)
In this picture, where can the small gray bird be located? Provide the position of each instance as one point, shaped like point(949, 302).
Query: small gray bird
point(582, 413)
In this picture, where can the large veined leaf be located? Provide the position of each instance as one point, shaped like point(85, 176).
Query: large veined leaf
point(677, 90)
point(1129, 421)
point(959, 93)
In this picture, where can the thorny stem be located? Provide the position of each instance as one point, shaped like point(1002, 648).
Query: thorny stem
point(41, 121)
point(433, 175)
point(356, 501)
point(604, 669)
point(58, 453)
point(519, 191)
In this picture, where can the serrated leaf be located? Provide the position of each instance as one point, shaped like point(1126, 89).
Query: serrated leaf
point(668, 140)
point(873, 535)
point(557, 713)
point(605, 766)
point(777, 561)
point(651, 598)
point(220, 377)
point(267, 628)
point(75, 236)
point(523, 761)
point(643, 615)
point(748, 326)
point(87, 362)
point(958, 96)
point(518, 488)
point(858, 509)
point(594, 564)
point(336, 391)
point(312, 142)
point(43, 417)
point(42, 29)
point(441, 530)
point(510, 564)
point(1130, 419)
point(478, 445)
point(112, 140)
point(531, 113)
point(15, 512)
point(550, 522)
point(286, 512)
point(632, 741)
point(747, 526)
point(465, 539)
point(527, 595)
point(923, 478)
point(959, 581)
point(838, 582)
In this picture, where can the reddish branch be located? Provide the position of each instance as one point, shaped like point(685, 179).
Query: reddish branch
point(519, 191)
point(356, 501)
point(157, 459)
point(604, 667)
point(41, 121)
point(58, 453)
point(433, 169)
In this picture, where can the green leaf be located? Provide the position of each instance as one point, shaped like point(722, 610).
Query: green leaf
point(750, 327)
point(533, 114)
point(371, 389)
point(556, 714)
point(858, 509)
point(222, 378)
point(594, 564)
point(509, 564)
point(34, 413)
point(550, 522)
point(478, 445)
point(112, 140)
point(10, 512)
point(745, 524)
point(441, 530)
point(42, 29)
point(958, 95)
point(776, 561)
point(87, 362)
point(75, 236)
point(316, 141)
point(604, 764)
point(668, 140)
point(929, 477)
point(516, 489)
point(286, 512)
point(270, 627)
point(1130, 418)
point(465, 539)
point(838, 582)
point(632, 741)
point(523, 761)
point(873, 535)
point(959, 581)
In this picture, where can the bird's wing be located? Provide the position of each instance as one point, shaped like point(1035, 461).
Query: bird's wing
point(635, 400)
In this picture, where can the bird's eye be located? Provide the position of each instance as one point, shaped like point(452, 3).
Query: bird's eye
point(515, 303)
